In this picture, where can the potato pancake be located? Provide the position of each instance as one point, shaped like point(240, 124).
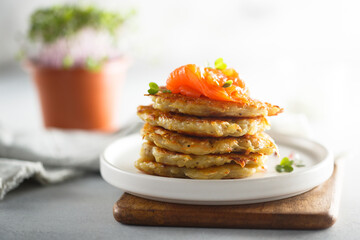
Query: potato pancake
point(173, 141)
point(160, 155)
point(202, 126)
point(227, 171)
point(206, 107)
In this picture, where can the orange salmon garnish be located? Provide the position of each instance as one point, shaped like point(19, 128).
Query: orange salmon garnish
point(217, 84)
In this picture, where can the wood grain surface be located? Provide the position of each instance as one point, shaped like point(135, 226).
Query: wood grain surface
point(316, 209)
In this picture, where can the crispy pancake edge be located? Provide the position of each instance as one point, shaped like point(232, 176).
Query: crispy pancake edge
point(173, 141)
point(205, 107)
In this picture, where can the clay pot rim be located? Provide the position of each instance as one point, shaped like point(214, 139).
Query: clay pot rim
point(30, 64)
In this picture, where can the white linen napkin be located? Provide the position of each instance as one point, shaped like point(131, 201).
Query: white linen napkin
point(51, 156)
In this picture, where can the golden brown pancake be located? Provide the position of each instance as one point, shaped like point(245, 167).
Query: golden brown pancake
point(227, 171)
point(206, 107)
point(163, 156)
point(202, 126)
point(259, 143)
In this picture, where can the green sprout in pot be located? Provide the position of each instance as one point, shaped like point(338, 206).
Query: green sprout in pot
point(75, 36)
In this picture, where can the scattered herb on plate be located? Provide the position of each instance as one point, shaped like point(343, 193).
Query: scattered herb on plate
point(287, 164)
point(299, 164)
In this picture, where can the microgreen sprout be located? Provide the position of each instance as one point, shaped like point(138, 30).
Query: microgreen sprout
point(154, 88)
point(52, 23)
point(299, 164)
point(219, 64)
point(227, 84)
point(286, 164)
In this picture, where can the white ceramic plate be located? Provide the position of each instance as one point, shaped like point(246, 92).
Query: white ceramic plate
point(117, 168)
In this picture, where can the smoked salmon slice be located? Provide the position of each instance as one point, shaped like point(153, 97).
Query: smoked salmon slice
point(195, 81)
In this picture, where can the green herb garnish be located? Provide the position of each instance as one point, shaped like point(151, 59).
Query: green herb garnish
point(285, 165)
point(227, 84)
point(154, 88)
point(299, 164)
point(219, 64)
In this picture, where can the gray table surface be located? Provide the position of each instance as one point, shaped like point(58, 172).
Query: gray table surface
point(82, 208)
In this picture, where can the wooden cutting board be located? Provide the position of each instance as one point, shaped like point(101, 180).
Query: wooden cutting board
point(316, 209)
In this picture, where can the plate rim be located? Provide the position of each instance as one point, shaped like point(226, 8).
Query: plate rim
point(328, 157)
point(102, 156)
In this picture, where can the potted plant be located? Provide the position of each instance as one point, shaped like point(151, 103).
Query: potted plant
point(76, 65)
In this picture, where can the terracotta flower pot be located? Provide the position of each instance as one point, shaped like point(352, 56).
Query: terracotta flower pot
point(77, 98)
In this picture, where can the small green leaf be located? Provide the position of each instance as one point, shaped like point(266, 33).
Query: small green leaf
point(286, 161)
point(219, 64)
point(154, 86)
point(286, 165)
point(166, 91)
point(152, 91)
point(288, 168)
point(279, 168)
point(68, 62)
point(299, 164)
point(227, 84)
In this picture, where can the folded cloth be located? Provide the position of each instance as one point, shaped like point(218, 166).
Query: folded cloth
point(52, 155)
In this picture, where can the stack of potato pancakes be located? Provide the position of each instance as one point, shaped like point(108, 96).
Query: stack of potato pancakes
point(201, 138)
